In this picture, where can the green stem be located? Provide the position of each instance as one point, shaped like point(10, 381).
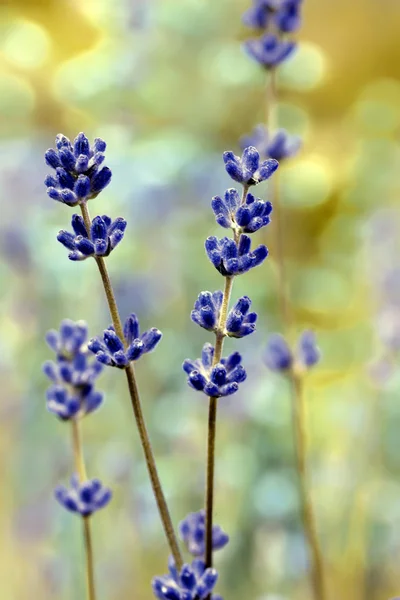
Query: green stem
point(308, 517)
point(278, 225)
point(81, 471)
point(137, 408)
point(212, 410)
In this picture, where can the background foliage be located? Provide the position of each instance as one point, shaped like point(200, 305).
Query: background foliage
point(166, 83)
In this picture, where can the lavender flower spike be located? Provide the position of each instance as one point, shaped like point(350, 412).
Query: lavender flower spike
point(280, 146)
point(247, 170)
point(72, 393)
point(78, 175)
point(230, 259)
point(248, 217)
point(193, 582)
point(105, 235)
point(206, 313)
point(221, 380)
point(112, 352)
point(279, 357)
point(269, 51)
point(83, 498)
point(193, 532)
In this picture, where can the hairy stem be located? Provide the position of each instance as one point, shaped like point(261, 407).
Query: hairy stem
point(137, 408)
point(212, 409)
point(299, 427)
point(81, 471)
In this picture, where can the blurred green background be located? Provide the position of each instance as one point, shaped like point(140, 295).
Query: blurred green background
point(167, 85)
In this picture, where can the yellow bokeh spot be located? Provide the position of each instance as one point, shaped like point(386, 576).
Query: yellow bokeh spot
point(305, 70)
point(17, 97)
point(26, 44)
point(307, 183)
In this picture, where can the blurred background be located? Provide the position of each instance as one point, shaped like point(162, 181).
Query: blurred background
point(167, 85)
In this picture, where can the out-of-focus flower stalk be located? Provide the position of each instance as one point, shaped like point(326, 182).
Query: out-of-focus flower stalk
point(87, 536)
point(307, 511)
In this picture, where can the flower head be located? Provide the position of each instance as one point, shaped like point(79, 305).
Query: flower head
point(260, 14)
point(279, 146)
point(78, 176)
point(193, 532)
point(288, 17)
point(119, 353)
point(247, 169)
point(220, 380)
point(269, 50)
point(308, 352)
point(284, 14)
point(246, 217)
point(72, 374)
point(231, 259)
point(193, 582)
point(240, 322)
point(105, 235)
point(279, 357)
point(83, 498)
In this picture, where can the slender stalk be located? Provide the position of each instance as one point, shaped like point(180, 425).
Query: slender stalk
point(81, 470)
point(212, 410)
point(278, 225)
point(308, 519)
point(212, 424)
point(299, 427)
point(137, 408)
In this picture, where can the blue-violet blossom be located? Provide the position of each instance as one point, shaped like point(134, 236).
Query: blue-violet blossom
point(247, 169)
point(105, 235)
point(72, 374)
point(285, 14)
point(112, 351)
point(83, 498)
point(78, 177)
point(193, 582)
point(279, 357)
point(268, 50)
point(246, 217)
point(281, 145)
point(231, 259)
point(221, 380)
point(240, 322)
point(193, 532)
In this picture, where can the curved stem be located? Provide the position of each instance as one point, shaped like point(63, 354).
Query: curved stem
point(137, 408)
point(299, 427)
point(81, 471)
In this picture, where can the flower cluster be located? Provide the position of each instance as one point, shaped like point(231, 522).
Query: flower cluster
point(78, 177)
point(193, 532)
point(280, 16)
point(246, 217)
point(239, 323)
point(114, 352)
point(247, 169)
point(105, 235)
point(193, 582)
point(219, 380)
point(279, 356)
point(232, 259)
point(279, 146)
point(72, 374)
point(83, 498)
